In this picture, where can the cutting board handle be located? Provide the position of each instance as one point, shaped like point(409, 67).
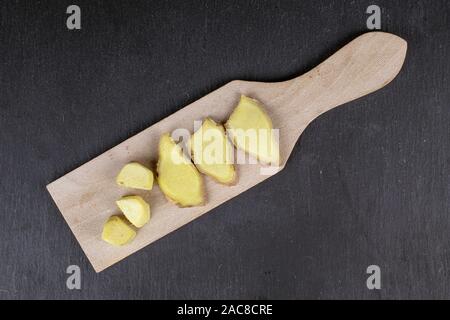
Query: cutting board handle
point(364, 65)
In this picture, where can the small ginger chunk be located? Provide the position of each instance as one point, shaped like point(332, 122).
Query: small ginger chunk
point(135, 175)
point(118, 231)
point(135, 209)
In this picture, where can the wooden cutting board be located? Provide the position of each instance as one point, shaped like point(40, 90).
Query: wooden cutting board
point(86, 196)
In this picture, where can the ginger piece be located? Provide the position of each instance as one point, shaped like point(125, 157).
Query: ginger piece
point(178, 178)
point(135, 175)
point(135, 209)
point(118, 231)
point(251, 130)
point(212, 152)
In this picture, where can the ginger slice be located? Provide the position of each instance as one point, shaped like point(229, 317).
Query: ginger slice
point(251, 130)
point(212, 152)
point(178, 178)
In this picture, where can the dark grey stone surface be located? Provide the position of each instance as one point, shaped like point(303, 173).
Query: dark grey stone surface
point(368, 183)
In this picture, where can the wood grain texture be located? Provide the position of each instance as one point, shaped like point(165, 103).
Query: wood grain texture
point(86, 196)
point(366, 184)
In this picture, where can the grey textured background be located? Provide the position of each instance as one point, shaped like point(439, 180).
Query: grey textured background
point(368, 183)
